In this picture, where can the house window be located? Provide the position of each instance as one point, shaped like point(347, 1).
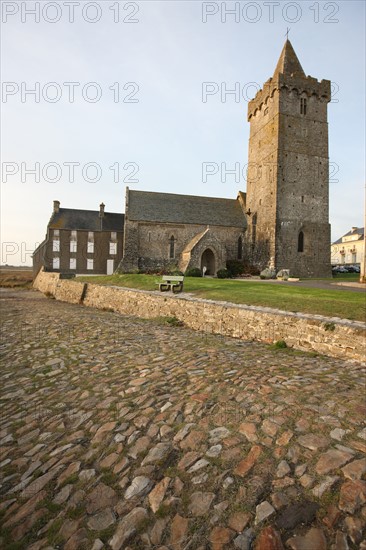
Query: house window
point(171, 247)
point(354, 257)
point(89, 264)
point(112, 249)
point(56, 263)
point(240, 248)
point(113, 236)
point(72, 263)
point(73, 246)
point(90, 236)
point(90, 248)
point(300, 242)
point(56, 233)
point(73, 235)
point(56, 245)
point(303, 106)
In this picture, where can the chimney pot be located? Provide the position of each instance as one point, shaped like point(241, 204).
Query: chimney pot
point(56, 206)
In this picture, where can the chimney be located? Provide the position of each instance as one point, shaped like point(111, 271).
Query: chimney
point(354, 229)
point(101, 210)
point(56, 207)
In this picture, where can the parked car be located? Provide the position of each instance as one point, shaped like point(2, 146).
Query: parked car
point(339, 269)
point(353, 268)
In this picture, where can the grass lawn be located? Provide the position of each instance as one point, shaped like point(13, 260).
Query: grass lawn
point(332, 303)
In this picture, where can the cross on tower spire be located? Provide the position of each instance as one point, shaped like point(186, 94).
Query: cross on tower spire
point(287, 31)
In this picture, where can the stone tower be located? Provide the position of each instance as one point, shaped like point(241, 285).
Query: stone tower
point(288, 171)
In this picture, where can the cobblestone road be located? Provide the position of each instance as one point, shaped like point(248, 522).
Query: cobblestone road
point(122, 433)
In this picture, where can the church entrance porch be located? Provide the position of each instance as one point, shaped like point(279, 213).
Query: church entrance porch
point(208, 261)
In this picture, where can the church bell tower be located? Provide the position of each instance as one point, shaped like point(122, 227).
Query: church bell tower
point(288, 170)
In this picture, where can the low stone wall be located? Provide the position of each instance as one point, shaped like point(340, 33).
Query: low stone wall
point(70, 291)
point(46, 282)
point(329, 336)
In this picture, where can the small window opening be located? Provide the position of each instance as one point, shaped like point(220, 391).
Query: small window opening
point(303, 106)
point(300, 242)
point(240, 248)
point(171, 247)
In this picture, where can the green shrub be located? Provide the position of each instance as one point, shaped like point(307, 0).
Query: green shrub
point(280, 344)
point(223, 274)
point(235, 268)
point(174, 322)
point(193, 272)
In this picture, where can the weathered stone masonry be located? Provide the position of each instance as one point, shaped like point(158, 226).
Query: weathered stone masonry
point(329, 336)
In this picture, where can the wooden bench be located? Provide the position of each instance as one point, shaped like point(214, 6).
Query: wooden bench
point(171, 282)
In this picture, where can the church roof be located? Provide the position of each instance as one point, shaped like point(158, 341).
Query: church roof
point(288, 62)
point(87, 220)
point(186, 209)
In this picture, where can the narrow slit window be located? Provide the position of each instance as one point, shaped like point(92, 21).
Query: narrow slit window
point(303, 106)
point(171, 247)
point(240, 248)
point(300, 242)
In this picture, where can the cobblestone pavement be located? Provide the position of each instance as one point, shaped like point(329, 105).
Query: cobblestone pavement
point(122, 433)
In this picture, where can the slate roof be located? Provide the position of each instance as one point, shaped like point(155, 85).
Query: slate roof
point(288, 62)
point(186, 209)
point(88, 220)
point(359, 230)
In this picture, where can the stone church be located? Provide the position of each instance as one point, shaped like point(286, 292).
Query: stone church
point(282, 220)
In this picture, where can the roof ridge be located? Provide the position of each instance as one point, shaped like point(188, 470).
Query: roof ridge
point(181, 195)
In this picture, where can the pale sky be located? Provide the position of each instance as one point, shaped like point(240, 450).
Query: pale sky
point(150, 119)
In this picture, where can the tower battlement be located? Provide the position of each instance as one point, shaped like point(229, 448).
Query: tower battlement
point(293, 83)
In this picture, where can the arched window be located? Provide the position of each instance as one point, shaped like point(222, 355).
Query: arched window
point(300, 242)
point(240, 248)
point(171, 247)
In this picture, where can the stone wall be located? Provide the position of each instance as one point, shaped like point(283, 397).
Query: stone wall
point(46, 282)
point(70, 291)
point(288, 173)
point(334, 337)
point(147, 245)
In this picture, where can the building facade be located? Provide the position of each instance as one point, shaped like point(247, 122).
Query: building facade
point(349, 249)
point(164, 230)
point(282, 219)
point(288, 190)
point(81, 241)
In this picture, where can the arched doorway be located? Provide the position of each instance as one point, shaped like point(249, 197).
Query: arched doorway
point(208, 261)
